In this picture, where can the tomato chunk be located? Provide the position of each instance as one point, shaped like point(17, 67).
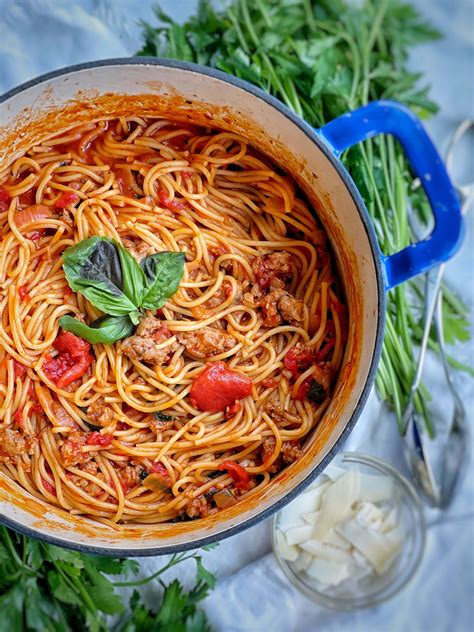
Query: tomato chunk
point(70, 343)
point(304, 389)
point(4, 200)
point(239, 474)
point(232, 410)
point(269, 382)
point(66, 199)
point(218, 387)
point(125, 182)
point(23, 292)
point(298, 360)
point(48, 487)
point(19, 369)
point(96, 438)
point(72, 361)
point(170, 203)
point(18, 418)
point(36, 235)
point(159, 468)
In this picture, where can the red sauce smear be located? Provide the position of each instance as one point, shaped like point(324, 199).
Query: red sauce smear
point(171, 204)
point(23, 293)
point(96, 438)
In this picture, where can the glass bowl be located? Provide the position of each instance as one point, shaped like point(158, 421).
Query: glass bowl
point(374, 589)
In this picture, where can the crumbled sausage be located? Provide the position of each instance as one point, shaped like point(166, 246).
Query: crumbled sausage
point(144, 346)
point(99, 414)
point(270, 270)
point(154, 328)
point(222, 294)
point(291, 308)
point(274, 408)
point(267, 449)
point(322, 373)
point(280, 306)
point(14, 444)
point(206, 341)
point(291, 451)
point(197, 507)
point(137, 247)
point(66, 216)
point(88, 486)
point(158, 425)
point(71, 449)
point(130, 476)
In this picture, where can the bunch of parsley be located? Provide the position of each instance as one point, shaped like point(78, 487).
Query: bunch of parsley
point(44, 588)
point(323, 58)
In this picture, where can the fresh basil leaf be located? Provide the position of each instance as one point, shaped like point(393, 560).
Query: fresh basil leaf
point(163, 272)
point(106, 329)
point(316, 393)
point(132, 275)
point(162, 416)
point(93, 267)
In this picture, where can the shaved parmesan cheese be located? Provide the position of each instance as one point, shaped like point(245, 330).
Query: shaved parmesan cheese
point(334, 472)
point(326, 552)
point(334, 539)
point(328, 573)
point(287, 552)
point(390, 520)
point(375, 489)
point(376, 547)
point(337, 502)
point(346, 526)
point(296, 535)
point(303, 561)
point(368, 515)
point(312, 518)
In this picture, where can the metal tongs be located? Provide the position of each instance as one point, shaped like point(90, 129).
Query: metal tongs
point(436, 462)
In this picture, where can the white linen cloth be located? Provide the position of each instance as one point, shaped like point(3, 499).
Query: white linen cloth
point(252, 594)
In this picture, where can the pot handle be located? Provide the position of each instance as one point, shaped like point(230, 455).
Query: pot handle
point(389, 117)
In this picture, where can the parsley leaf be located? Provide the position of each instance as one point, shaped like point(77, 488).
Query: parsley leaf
point(44, 588)
point(322, 58)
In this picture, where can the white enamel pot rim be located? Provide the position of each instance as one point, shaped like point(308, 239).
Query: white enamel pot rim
point(369, 265)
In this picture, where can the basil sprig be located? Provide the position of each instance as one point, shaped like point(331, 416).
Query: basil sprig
point(113, 281)
point(105, 329)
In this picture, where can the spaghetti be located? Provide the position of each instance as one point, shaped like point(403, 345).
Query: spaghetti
point(209, 396)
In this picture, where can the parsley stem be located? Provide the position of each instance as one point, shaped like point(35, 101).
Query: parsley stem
point(177, 558)
point(309, 15)
point(76, 585)
point(264, 13)
point(248, 23)
point(11, 548)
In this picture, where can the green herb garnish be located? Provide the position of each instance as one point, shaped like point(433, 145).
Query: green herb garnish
point(105, 329)
point(44, 588)
point(113, 281)
point(162, 416)
point(316, 392)
point(323, 58)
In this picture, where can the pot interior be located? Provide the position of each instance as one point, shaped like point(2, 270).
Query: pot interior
point(182, 92)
